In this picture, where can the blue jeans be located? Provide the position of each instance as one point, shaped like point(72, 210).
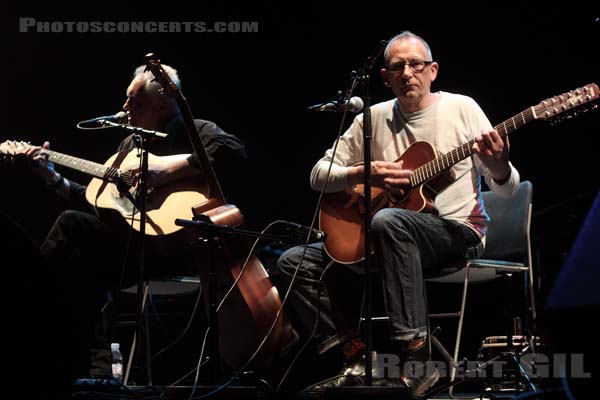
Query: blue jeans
point(408, 246)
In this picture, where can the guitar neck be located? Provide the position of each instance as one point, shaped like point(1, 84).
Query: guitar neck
point(79, 164)
point(445, 161)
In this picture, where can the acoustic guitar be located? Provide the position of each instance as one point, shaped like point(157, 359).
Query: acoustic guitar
point(112, 187)
point(342, 213)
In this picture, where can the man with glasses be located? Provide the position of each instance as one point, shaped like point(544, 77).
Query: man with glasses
point(407, 244)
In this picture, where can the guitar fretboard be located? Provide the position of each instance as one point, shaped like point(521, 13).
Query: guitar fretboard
point(445, 161)
point(94, 169)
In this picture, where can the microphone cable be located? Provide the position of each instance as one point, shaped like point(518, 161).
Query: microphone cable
point(321, 194)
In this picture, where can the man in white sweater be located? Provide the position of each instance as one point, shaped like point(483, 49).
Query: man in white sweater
point(407, 244)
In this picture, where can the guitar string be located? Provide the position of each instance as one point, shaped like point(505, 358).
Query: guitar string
point(437, 165)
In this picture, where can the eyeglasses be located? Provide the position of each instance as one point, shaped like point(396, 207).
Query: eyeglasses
point(415, 66)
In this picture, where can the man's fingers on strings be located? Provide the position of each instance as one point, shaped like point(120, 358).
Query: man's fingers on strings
point(491, 142)
point(481, 148)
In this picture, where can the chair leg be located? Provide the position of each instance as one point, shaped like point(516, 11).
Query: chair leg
point(460, 322)
point(134, 341)
point(459, 330)
point(531, 283)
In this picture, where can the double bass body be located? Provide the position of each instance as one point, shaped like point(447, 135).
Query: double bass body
point(249, 312)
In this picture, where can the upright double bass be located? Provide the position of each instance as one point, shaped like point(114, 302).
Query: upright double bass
point(250, 310)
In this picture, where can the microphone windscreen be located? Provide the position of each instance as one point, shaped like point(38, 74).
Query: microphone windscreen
point(121, 117)
point(355, 104)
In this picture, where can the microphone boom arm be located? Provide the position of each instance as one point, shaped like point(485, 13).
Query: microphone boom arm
point(134, 129)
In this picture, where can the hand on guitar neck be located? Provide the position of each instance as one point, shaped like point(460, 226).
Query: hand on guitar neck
point(492, 150)
point(114, 183)
point(171, 168)
point(37, 156)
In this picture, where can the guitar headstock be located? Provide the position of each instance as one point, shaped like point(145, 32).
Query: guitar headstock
point(160, 75)
point(11, 151)
point(568, 104)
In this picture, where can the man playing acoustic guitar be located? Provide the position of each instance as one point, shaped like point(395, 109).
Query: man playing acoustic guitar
point(407, 243)
point(87, 254)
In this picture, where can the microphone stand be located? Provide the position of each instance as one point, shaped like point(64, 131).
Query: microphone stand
point(367, 136)
point(134, 129)
point(363, 76)
point(368, 390)
point(140, 139)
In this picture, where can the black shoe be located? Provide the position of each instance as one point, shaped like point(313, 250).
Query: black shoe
point(356, 373)
point(350, 375)
point(420, 378)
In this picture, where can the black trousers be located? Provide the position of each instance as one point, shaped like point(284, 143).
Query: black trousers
point(90, 260)
point(87, 262)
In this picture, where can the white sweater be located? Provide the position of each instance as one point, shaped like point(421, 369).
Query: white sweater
point(446, 124)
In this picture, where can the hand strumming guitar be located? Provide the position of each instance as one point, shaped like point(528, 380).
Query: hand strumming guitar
point(176, 168)
point(387, 175)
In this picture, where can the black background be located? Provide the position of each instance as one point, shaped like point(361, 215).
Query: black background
point(258, 85)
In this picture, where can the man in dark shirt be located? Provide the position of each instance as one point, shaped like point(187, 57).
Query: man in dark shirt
point(87, 254)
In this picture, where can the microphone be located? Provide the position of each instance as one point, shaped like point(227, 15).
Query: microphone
point(119, 118)
point(355, 104)
point(300, 232)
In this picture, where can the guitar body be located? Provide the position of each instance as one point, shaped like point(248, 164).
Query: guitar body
point(342, 214)
point(163, 204)
point(252, 307)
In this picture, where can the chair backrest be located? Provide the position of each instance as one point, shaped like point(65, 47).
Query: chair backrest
point(508, 231)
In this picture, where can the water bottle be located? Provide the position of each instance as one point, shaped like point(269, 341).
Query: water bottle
point(117, 362)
